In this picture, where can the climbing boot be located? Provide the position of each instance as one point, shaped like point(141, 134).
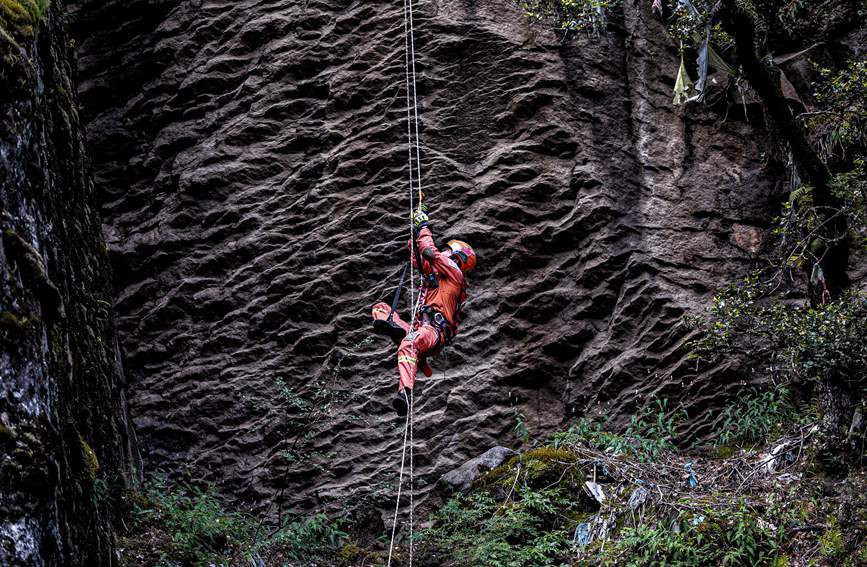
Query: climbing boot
point(400, 403)
point(390, 329)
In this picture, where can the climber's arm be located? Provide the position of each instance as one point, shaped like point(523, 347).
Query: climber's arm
point(433, 257)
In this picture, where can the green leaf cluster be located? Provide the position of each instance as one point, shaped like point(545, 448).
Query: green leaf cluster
point(650, 432)
point(180, 524)
point(800, 342)
point(570, 15)
point(727, 536)
point(755, 416)
point(199, 530)
point(840, 122)
point(531, 530)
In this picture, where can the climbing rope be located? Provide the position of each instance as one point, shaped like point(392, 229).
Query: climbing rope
point(415, 302)
point(399, 487)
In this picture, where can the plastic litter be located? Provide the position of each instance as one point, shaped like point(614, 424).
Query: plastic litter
point(637, 498)
point(693, 482)
point(583, 536)
point(595, 491)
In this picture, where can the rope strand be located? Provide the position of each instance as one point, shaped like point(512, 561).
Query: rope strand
point(415, 302)
point(399, 486)
point(415, 103)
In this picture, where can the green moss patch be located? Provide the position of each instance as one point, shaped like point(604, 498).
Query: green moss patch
point(89, 460)
point(20, 17)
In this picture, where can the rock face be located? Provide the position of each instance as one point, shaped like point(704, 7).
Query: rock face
point(66, 444)
point(252, 159)
point(462, 477)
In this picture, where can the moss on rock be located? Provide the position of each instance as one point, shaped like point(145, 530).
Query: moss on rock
point(20, 17)
point(89, 460)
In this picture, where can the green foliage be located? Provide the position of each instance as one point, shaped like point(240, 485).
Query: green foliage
point(800, 342)
point(754, 416)
point(841, 119)
point(522, 432)
point(302, 539)
point(199, 530)
point(570, 15)
point(650, 432)
point(176, 525)
point(89, 460)
point(728, 536)
point(528, 531)
point(20, 16)
point(831, 541)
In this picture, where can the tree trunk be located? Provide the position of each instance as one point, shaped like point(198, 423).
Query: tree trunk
point(832, 248)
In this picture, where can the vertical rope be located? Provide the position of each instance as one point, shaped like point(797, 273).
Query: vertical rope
point(412, 298)
point(409, 50)
point(411, 487)
point(414, 101)
point(399, 486)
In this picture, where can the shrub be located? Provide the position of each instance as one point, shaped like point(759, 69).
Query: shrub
point(753, 416)
point(304, 538)
point(182, 525)
point(731, 537)
point(650, 432)
point(800, 342)
point(529, 531)
point(570, 15)
point(199, 530)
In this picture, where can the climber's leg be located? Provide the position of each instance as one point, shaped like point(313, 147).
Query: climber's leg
point(395, 328)
point(423, 343)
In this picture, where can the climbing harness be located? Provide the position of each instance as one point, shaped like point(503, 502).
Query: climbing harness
point(415, 303)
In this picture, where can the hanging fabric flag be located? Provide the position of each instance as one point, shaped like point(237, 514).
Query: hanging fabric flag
point(682, 84)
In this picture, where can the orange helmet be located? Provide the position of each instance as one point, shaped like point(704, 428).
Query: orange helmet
point(464, 252)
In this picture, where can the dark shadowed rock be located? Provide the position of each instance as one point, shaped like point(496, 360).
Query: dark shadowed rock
point(67, 447)
point(462, 477)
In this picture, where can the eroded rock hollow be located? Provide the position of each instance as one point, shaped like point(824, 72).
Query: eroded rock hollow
point(252, 163)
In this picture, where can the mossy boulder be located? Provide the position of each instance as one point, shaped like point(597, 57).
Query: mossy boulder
point(538, 467)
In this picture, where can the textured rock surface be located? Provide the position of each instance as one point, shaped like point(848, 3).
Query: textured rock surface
point(462, 477)
point(66, 443)
point(252, 157)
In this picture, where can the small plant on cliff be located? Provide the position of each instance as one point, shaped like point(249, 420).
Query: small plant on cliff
point(570, 15)
point(650, 432)
point(754, 415)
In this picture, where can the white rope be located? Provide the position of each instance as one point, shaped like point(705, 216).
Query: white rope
point(415, 302)
point(399, 486)
point(411, 487)
point(414, 102)
point(412, 299)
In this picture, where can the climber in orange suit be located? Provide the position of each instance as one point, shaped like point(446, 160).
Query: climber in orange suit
point(443, 296)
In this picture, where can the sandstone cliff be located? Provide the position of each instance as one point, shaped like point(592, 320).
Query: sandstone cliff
point(252, 162)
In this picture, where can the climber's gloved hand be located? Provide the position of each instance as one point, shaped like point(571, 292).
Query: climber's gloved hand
point(420, 219)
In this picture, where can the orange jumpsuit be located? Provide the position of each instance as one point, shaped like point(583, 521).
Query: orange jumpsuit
point(427, 338)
